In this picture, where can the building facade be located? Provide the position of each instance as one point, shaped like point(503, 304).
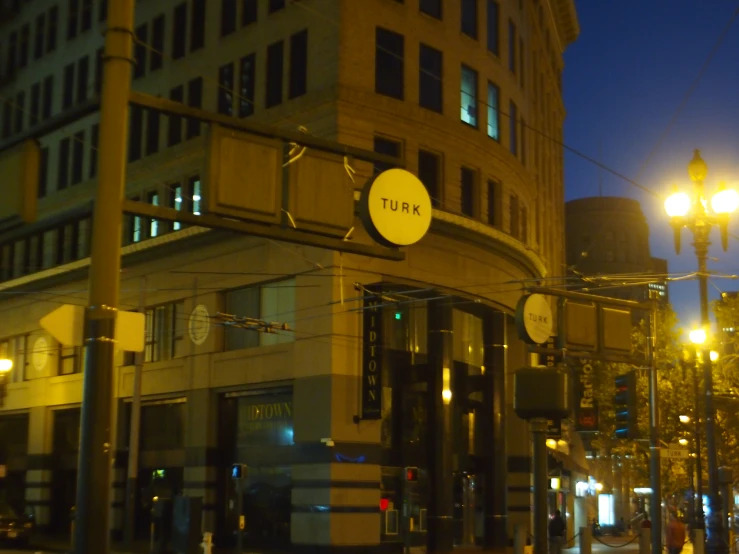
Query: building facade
point(467, 95)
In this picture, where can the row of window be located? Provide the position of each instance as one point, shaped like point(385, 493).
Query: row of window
point(390, 81)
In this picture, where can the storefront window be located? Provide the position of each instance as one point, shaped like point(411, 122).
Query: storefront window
point(468, 343)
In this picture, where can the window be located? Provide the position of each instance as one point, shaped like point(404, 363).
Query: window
point(43, 172)
point(242, 303)
point(493, 111)
point(139, 67)
point(174, 131)
point(48, 95)
point(179, 30)
point(24, 45)
point(78, 156)
point(157, 43)
point(248, 12)
point(86, 19)
point(522, 63)
point(514, 214)
point(20, 110)
point(72, 15)
point(493, 202)
point(228, 17)
point(63, 165)
point(165, 332)
point(225, 89)
point(493, 26)
point(429, 171)
point(83, 76)
point(469, 18)
point(195, 195)
point(246, 85)
point(16, 349)
point(467, 182)
point(68, 92)
point(197, 31)
point(69, 360)
point(102, 10)
point(153, 199)
point(298, 64)
point(430, 79)
point(431, 7)
point(35, 103)
point(513, 122)
point(275, 55)
point(40, 33)
point(194, 100)
point(389, 55)
point(12, 61)
point(135, 129)
point(98, 71)
point(51, 29)
point(94, 143)
point(176, 202)
point(136, 227)
point(387, 147)
point(511, 46)
point(469, 96)
point(152, 132)
point(276, 5)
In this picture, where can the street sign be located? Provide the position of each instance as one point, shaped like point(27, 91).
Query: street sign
point(676, 453)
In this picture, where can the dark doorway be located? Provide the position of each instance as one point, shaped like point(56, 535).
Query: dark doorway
point(65, 448)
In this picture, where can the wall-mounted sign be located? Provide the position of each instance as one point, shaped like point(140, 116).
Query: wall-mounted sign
point(199, 325)
point(586, 408)
point(372, 357)
point(534, 319)
point(396, 208)
point(40, 354)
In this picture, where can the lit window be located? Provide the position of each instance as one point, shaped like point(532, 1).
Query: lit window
point(196, 198)
point(469, 96)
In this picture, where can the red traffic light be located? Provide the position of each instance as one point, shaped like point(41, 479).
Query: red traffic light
point(411, 474)
point(384, 504)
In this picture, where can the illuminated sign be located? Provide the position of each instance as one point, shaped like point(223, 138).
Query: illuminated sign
point(372, 357)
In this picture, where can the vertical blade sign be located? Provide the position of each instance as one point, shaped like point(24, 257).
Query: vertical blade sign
point(372, 357)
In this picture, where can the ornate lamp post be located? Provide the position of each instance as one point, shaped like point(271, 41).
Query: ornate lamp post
point(694, 213)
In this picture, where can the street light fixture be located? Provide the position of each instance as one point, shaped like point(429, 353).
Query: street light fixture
point(6, 366)
point(684, 419)
point(692, 212)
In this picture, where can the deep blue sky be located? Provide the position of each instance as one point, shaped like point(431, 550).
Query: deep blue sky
point(625, 77)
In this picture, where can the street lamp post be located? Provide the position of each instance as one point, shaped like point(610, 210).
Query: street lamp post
point(694, 214)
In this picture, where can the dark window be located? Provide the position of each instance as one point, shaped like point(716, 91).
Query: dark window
point(20, 110)
point(228, 17)
point(275, 59)
point(493, 111)
point(246, 85)
point(431, 7)
point(511, 45)
point(135, 129)
point(389, 52)
point(51, 30)
point(197, 30)
point(102, 10)
point(98, 71)
point(248, 12)
point(194, 100)
point(86, 19)
point(63, 165)
point(157, 43)
point(43, 172)
point(467, 178)
point(469, 96)
point(493, 26)
point(72, 15)
point(78, 156)
point(174, 131)
point(429, 171)
point(389, 148)
point(469, 18)
point(179, 31)
point(94, 142)
point(24, 45)
point(152, 132)
point(298, 64)
point(513, 123)
point(139, 68)
point(12, 61)
point(7, 119)
point(48, 95)
point(68, 92)
point(430, 79)
point(276, 5)
point(35, 103)
point(38, 45)
point(493, 200)
point(83, 76)
point(225, 89)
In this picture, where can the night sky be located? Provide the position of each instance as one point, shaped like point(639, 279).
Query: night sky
point(625, 79)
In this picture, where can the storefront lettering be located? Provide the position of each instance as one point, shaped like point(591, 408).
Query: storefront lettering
point(277, 410)
point(372, 359)
point(587, 406)
point(586, 386)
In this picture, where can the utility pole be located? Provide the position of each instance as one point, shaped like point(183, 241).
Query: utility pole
point(541, 486)
point(654, 445)
point(92, 534)
point(133, 442)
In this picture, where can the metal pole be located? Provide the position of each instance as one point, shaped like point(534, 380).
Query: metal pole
point(655, 506)
point(92, 532)
point(699, 523)
point(240, 508)
point(133, 442)
point(541, 487)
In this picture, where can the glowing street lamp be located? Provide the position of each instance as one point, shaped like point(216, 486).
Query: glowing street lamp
point(6, 366)
point(684, 419)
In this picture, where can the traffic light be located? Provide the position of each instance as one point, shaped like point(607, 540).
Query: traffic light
point(411, 474)
point(625, 406)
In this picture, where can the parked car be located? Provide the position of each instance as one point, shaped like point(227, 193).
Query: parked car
point(13, 526)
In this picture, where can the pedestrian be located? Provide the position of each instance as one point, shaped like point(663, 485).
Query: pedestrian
point(675, 535)
point(557, 529)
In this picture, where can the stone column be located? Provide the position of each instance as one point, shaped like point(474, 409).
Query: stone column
point(40, 465)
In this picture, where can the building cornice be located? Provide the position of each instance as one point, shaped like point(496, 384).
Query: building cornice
point(565, 18)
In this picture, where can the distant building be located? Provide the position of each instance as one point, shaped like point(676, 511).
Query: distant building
point(608, 236)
